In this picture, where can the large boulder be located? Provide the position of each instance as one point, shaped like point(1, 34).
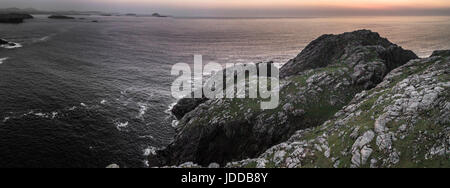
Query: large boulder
point(317, 84)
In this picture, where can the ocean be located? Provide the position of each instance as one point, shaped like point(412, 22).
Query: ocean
point(74, 93)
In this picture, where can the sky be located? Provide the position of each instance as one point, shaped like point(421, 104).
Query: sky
point(250, 8)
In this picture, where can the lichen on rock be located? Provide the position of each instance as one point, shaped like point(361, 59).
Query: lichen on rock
point(403, 122)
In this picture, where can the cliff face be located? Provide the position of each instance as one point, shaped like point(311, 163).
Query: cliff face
point(320, 81)
point(403, 122)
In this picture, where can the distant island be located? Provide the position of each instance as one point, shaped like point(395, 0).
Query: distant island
point(62, 17)
point(14, 17)
point(31, 11)
point(41, 12)
point(147, 15)
point(158, 15)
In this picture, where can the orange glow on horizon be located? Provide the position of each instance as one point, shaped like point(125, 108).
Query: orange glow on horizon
point(245, 4)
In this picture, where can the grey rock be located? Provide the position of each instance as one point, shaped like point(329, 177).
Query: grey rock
point(214, 165)
point(233, 132)
point(186, 105)
point(441, 53)
point(413, 97)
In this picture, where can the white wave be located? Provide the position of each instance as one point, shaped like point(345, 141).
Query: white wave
point(103, 102)
point(175, 123)
point(54, 115)
point(35, 113)
point(29, 113)
point(148, 136)
point(83, 105)
point(121, 126)
point(40, 114)
point(142, 110)
point(3, 60)
point(51, 115)
point(169, 109)
point(43, 39)
point(16, 45)
point(146, 164)
point(150, 151)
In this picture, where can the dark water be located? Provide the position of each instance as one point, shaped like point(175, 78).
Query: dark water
point(83, 94)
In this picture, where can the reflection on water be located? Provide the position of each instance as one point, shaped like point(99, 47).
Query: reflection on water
point(84, 94)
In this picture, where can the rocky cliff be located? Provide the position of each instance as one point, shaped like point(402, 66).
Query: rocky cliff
point(330, 96)
point(403, 122)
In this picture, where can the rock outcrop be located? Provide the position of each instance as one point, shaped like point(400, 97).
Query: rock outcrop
point(188, 104)
point(323, 79)
point(331, 49)
point(14, 17)
point(403, 122)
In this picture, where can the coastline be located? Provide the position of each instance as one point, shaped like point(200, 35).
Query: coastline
point(48, 114)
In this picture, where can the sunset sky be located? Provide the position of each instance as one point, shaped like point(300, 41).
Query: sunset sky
point(246, 7)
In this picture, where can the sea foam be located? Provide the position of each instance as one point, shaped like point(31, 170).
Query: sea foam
point(120, 125)
point(142, 110)
point(3, 60)
point(150, 151)
point(16, 45)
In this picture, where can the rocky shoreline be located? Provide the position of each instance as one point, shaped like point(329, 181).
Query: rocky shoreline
point(348, 100)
